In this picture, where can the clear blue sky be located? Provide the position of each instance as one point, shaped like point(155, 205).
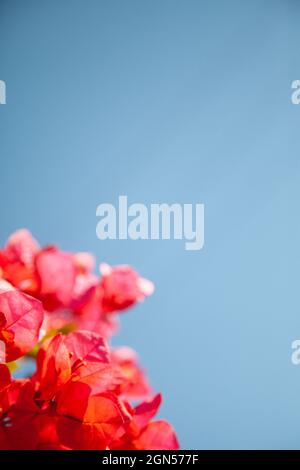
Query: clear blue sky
point(172, 101)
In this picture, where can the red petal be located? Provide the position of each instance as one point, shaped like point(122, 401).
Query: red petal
point(146, 410)
point(121, 287)
point(84, 262)
point(87, 346)
point(76, 401)
point(54, 367)
point(47, 432)
point(89, 422)
point(17, 428)
point(135, 384)
point(17, 260)
point(100, 378)
point(21, 247)
point(23, 315)
point(5, 378)
point(56, 273)
point(158, 435)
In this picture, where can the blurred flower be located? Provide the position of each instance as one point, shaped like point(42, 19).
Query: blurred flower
point(80, 393)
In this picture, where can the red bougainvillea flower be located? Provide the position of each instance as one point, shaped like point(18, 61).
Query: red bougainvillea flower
point(135, 384)
point(17, 260)
point(90, 421)
point(18, 412)
point(80, 356)
point(76, 378)
point(157, 435)
point(88, 312)
point(84, 262)
point(72, 296)
point(21, 318)
point(121, 287)
point(142, 433)
point(80, 395)
point(74, 401)
point(56, 276)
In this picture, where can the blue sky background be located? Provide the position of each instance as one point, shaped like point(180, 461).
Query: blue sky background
point(172, 101)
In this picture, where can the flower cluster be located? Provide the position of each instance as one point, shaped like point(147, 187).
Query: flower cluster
point(82, 394)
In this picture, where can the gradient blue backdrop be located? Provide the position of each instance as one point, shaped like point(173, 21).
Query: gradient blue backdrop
point(172, 101)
